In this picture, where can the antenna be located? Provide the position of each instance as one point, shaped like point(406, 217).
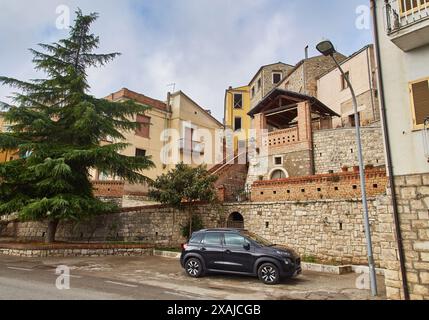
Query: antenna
point(172, 85)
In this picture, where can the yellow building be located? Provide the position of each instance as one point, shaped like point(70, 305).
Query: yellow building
point(6, 155)
point(237, 107)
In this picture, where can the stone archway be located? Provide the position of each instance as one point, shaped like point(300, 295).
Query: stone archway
point(235, 221)
point(278, 174)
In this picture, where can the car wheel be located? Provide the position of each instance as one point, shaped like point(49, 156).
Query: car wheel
point(269, 274)
point(194, 268)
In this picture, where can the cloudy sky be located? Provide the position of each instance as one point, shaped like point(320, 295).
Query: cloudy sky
point(204, 46)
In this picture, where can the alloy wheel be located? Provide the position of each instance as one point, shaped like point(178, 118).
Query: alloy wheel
point(268, 274)
point(193, 268)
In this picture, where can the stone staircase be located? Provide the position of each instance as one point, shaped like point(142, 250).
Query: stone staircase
point(231, 179)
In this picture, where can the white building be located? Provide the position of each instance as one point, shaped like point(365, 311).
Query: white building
point(402, 42)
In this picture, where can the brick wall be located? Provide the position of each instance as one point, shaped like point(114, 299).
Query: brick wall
point(329, 186)
point(106, 189)
point(336, 148)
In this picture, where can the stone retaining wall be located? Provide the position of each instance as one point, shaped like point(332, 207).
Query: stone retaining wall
point(329, 230)
point(76, 252)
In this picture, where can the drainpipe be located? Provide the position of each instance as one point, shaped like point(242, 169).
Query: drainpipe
point(389, 154)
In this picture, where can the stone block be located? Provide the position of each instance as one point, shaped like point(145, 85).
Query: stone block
point(420, 289)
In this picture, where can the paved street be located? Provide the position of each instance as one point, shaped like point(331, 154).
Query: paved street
point(157, 278)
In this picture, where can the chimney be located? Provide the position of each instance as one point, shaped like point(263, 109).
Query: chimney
point(306, 52)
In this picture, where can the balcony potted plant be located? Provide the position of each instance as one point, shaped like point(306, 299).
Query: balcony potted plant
point(345, 169)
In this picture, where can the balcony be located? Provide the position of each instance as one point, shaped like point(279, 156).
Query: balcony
point(407, 23)
point(194, 146)
point(280, 138)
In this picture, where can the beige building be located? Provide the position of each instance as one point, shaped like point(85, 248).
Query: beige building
point(266, 79)
point(332, 89)
point(182, 120)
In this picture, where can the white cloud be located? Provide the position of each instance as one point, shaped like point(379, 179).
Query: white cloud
point(201, 45)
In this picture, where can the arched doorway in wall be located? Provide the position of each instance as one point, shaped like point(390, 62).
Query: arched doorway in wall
point(235, 221)
point(278, 174)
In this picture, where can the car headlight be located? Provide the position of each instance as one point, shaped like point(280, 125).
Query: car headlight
point(283, 253)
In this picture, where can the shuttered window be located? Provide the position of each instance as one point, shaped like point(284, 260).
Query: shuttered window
point(144, 130)
point(420, 101)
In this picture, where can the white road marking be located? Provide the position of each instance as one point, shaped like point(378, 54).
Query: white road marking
point(20, 269)
point(72, 276)
point(122, 284)
point(183, 295)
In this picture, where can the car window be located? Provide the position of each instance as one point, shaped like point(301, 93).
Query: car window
point(196, 238)
point(234, 240)
point(213, 238)
point(258, 239)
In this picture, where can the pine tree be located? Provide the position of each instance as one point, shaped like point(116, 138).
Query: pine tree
point(57, 127)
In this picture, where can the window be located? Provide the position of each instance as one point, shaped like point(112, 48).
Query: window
point(344, 84)
point(144, 130)
point(259, 84)
point(352, 121)
point(140, 153)
point(278, 161)
point(253, 91)
point(213, 239)
point(237, 124)
point(234, 240)
point(196, 238)
point(277, 77)
point(420, 101)
point(238, 101)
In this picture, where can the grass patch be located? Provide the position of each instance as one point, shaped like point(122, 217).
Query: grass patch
point(309, 259)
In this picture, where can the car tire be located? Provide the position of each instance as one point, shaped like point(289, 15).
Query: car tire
point(194, 268)
point(269, 274)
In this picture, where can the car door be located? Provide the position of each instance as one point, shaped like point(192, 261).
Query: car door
point(238, 253)
point(212, 250)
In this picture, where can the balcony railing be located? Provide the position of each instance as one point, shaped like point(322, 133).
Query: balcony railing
point(282, 137)
point(188, 146)
point(404, 13)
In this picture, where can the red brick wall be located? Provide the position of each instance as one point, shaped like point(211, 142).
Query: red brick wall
point(114, 189)
point(345, 185)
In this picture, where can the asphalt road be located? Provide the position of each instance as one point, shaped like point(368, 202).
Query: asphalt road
point(27, 280)
point(156, 278)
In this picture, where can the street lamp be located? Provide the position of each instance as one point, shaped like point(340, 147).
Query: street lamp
point(327, 49)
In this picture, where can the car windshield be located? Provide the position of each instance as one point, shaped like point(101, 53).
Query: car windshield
point(258, 239)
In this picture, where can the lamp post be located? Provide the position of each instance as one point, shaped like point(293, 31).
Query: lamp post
point(327, 49)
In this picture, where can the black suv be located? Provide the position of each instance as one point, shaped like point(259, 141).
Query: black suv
point(238, 252)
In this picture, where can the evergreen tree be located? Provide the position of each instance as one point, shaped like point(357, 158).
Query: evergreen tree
point(57, 127)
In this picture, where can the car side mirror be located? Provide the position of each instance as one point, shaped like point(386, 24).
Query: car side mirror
point(246, 246)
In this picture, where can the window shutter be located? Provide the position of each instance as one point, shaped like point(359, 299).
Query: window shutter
point(144, 130)
point(420, 96)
